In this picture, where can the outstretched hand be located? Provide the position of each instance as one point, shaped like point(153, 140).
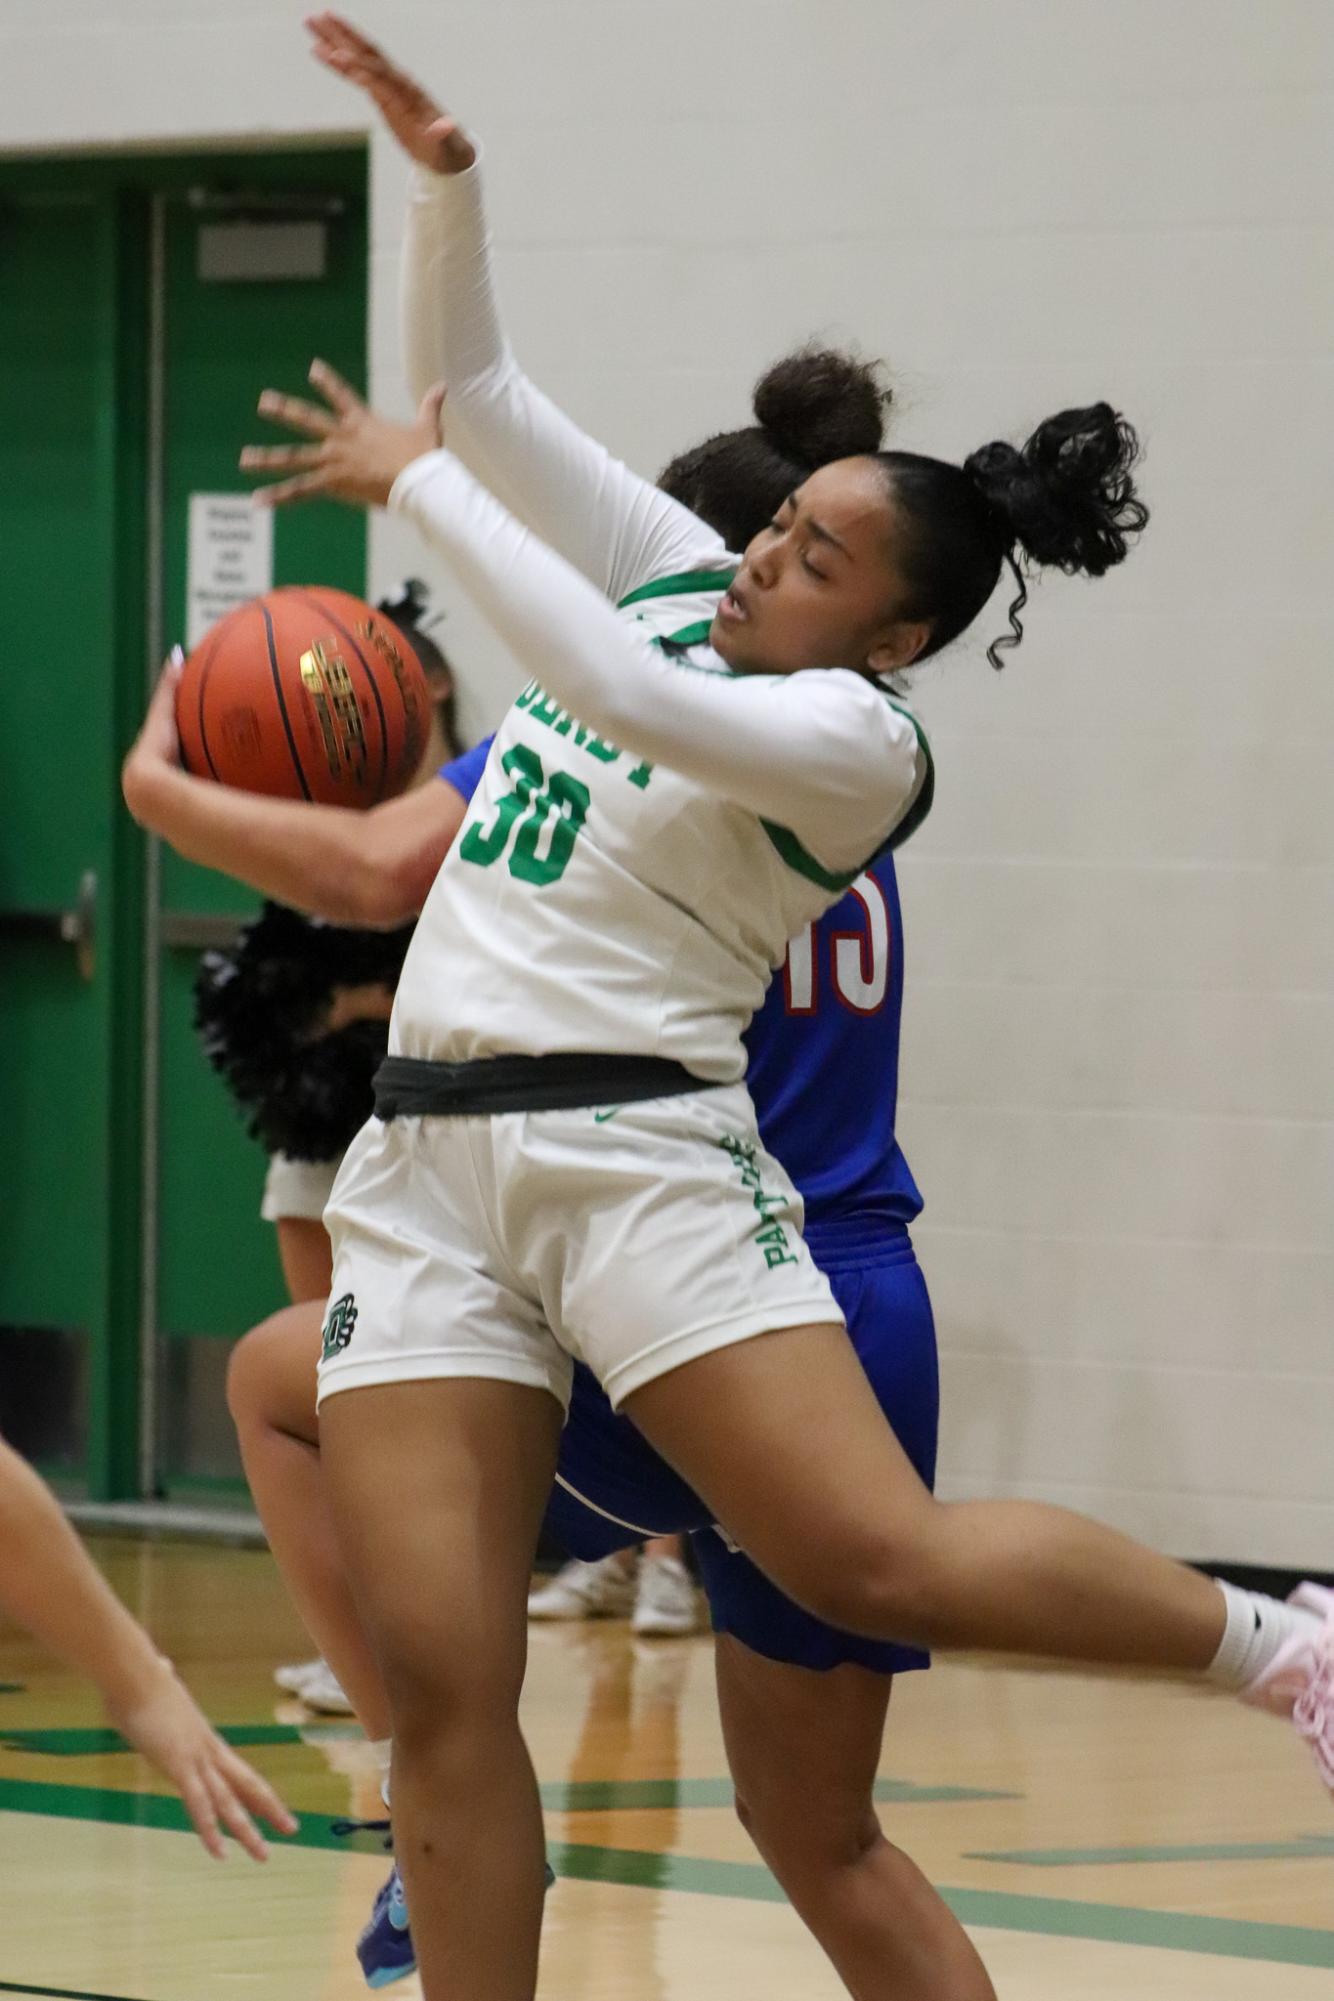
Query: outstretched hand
point(219, 1788)
point(423, 128)
point(359, 454)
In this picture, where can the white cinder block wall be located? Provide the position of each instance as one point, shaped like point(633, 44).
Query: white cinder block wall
point(1118, 1079)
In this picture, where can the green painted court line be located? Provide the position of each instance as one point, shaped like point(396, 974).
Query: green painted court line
point(1171, 1931)
point(902, 1792)
point(60, 1993)
point(574, 1796)
point(1051, 1917)
point(125, 1807)
point(101, 1742)
point(1302, 1848)
point(128, 1808)
point(627, 1795)
point(10, 1688)
point(95, 1743)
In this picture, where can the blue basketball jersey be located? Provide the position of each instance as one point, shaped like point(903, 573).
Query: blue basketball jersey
point(823, 1050)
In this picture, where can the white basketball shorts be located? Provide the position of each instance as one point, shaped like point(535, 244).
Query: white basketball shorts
point(633, 1238)
point(296, 1188)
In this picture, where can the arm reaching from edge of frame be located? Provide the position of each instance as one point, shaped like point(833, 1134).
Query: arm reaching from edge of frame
point(50, 1586)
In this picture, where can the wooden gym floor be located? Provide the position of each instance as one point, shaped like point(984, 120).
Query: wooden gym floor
point(1100, 1838)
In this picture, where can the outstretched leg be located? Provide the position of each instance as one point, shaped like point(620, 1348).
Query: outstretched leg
point(783, 1437)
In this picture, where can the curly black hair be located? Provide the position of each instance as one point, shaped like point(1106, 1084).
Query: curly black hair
point(1064, 500)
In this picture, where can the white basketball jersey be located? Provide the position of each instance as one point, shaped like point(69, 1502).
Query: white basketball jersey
point(596, 902)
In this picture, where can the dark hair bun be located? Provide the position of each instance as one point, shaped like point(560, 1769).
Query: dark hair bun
point(1068, 497)
point(818, 405)
point(408, 605)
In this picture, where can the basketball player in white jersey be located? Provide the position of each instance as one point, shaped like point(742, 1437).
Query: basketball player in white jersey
point(565, 1164)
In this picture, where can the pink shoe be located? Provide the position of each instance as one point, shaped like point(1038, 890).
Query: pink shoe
point(1299, 1681)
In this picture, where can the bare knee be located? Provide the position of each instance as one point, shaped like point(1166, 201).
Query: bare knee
point(271, 1376)
point(246, 1377)
point(446, 1701)
point(806, 1840)
point(884, 1582)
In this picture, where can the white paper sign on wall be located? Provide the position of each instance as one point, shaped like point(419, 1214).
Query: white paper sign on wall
point(230, 558)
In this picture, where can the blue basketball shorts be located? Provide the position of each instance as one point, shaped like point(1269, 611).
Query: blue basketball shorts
point(613, 1490)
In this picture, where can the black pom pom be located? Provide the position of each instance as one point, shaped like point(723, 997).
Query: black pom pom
point(258, 1009)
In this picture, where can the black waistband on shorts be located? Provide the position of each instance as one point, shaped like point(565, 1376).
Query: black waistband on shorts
point(409, 1087)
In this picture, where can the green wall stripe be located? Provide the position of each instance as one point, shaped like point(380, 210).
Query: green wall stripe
point(1051, 1917)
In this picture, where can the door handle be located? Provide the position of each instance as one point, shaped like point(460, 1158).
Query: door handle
point(76, 926)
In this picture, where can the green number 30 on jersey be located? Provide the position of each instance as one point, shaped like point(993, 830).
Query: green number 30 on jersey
point(560, 800)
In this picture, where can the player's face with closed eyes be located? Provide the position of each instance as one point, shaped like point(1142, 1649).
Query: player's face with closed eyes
point(820, 586)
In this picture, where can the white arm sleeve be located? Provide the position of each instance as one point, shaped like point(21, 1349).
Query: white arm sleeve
point(822, 753)
point(612, 525)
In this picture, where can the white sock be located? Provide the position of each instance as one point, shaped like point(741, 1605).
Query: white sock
point(1257, 1627)
point(382, 1750)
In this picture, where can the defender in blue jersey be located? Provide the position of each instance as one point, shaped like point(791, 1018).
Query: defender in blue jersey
point(823, 1071)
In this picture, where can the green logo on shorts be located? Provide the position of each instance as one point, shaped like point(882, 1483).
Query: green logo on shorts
point(338, 1327)
point(771, 1237)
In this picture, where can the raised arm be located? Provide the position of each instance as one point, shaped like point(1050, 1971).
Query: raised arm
point(615, 527)
point(822, 753)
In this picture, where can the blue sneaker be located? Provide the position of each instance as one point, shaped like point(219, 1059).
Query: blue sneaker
point(385, 1948)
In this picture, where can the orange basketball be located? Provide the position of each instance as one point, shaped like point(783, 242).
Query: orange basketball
point(305, 693)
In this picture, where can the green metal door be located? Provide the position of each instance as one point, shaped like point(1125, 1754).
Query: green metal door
point(234, 316)
point(143, 305)
point(68, 916)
